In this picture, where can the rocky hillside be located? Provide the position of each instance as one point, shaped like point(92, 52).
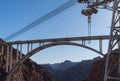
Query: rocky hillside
point(77, 72)
point(97, 71)
point(28, 71)
point(62, 66)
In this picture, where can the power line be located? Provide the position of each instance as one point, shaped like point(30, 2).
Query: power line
point(42, 19)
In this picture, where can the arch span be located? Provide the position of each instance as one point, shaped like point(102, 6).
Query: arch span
point(47, 46)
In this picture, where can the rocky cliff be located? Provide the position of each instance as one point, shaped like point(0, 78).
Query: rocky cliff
point(28, 71)
point(97, 71)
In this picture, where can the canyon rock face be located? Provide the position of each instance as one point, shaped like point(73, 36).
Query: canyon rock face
point(28, 71)
point(97, 71)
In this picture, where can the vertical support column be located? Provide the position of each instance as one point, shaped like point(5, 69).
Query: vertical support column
point(20, 51)
point(100, 45)
point(28, 48)
point(31, 46)
point(17, 53)
point(11, 50)
point(83, 42)
point(68, 41)
point(7, 59)
point(40, 44)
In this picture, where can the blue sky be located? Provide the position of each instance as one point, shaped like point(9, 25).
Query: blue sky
point(16, 14)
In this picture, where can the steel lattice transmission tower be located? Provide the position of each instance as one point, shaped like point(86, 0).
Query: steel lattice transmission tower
point(114, 6)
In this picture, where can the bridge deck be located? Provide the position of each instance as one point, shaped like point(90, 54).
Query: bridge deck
point(104, 37)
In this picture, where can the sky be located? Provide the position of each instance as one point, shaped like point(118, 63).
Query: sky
point(16, 14)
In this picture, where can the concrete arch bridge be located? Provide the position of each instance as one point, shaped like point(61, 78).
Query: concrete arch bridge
point(31, 47)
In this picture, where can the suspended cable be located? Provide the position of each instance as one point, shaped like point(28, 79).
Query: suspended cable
point(42, 19)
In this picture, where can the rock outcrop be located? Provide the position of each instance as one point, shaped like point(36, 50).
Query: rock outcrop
point(28, 71)
point(97, 71)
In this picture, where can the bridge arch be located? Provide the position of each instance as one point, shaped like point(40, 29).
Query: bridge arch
point(47, 46)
